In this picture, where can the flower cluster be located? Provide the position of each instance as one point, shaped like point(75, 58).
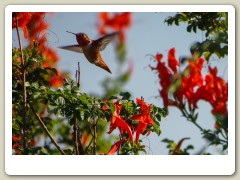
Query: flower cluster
point(117, 121)
point(143, 117)
point(117, 22)
point(215, 91)
point(191, 84)
point(34, 28)
point(126, 128)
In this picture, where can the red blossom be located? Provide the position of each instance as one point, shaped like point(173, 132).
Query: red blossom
point(172, 61)
point(14, 138)
point(37, 32)
point(105, 106)
point(117, 121)
point(190, 81)
point(215, 91)
point(117, 22)
point(56, 80)
point(143, 118)
point(165, 77)
point(177, 148)
point(23, 19)
point(116, 146)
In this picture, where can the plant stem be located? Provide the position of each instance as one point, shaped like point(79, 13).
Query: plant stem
point(75, 135)
point(94, 138)
point(24, 88)
point(190, 118)
point(75, 125)
point(78, 77)
point(46, 130)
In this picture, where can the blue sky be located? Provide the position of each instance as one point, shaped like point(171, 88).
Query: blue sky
point(147, 35)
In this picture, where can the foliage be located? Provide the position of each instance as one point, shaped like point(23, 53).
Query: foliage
point(184, 89)
point(213, 24)
point(50, 115)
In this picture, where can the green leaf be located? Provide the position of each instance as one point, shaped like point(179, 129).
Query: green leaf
point(35, 85)
point(15, 126)
point(44, 151)
point(44, 88)
point(52, 70)
point(27, 84)
point(125, 95)
point(111, 106)
point(207, 55)
point(68, 151)
point(52, 108)
point(86, 115)
point(60, 101)
point(195, 28)
point(36, 95)
point(112, 97)
point(189, 28)
point(156, 129)
point(128, 106)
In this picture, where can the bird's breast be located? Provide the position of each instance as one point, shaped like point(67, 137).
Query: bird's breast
point(91, 53)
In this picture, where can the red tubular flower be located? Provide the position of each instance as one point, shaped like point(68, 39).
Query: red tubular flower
point(14, 138)
point(172, 61)
point(165, 77)
point(117, 121)
point(56, 80)
point(117, 22)
point(116, 146)
point(191, 81)
point(143, 118)
point(215, 91)
point(177, 148)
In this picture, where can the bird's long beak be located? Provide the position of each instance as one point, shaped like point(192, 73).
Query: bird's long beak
point(71, 32)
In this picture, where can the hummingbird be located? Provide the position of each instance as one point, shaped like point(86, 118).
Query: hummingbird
point(91, 48)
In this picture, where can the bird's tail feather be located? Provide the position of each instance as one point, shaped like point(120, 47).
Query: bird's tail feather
point(103, 65)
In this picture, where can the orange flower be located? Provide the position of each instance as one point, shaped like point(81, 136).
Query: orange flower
point(191, 81)
point(117, 121)
point(165, 77)
point(116, 146)
point(215, 91)
point(23, 19)
point(172, 61)
point(57, 80)
point(118, 22)
point(143, 118)
point(14, 138)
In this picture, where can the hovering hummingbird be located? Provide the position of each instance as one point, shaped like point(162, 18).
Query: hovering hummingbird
point(91, 48)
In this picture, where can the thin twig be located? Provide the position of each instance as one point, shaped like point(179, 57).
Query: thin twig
point(46, 130)
point(24, 87)
point(76, 140)
point(94, 139)
point(80, 146)
point(78, 77)
point(75, 135)
point(86, 149)
point(15, 65)
point(191, 119)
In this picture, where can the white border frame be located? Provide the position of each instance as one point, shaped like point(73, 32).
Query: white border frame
point(119, 165)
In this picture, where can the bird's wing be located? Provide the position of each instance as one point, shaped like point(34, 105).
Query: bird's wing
point(75, 48)
point(103, 41)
